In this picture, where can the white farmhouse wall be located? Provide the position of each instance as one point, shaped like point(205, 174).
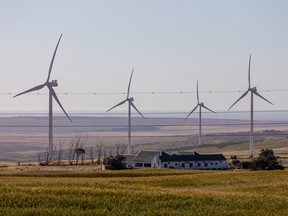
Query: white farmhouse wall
point(155, 162)
point(195, 165)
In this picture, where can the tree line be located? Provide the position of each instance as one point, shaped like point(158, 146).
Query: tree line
point(266, 160)
point(75, 152)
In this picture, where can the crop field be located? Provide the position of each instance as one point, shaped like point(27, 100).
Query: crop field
point(144, 192)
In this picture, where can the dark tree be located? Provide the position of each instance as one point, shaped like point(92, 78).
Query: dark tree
point(80, 152)
point(115, 163)
point(267, 161)
point(245, 165)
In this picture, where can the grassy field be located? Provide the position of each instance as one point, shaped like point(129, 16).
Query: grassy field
point(144, 192)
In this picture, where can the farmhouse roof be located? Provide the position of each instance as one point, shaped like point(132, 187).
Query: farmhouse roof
point(129, 158)
point(164, 157)
point(144, 156)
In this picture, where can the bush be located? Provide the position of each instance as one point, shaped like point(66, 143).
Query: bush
point(246, 165)
point(267, 161)
point(115, 162)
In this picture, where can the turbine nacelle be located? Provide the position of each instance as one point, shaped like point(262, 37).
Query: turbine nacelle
point(54, 83)
point(254, 89)
point(131, 99)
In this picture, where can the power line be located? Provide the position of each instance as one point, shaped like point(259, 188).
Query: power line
point(145, 125)
point(112, 115)
point(211, 135)
point(151, 92)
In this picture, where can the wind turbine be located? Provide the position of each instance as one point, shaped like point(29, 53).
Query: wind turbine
point(52, 93)
point(253, 91)
point(130, 103)
point(200, 105)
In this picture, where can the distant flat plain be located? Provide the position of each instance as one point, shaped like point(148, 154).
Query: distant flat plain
point(21, 138)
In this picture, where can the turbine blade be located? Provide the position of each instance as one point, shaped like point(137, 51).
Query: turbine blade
point(191, 112)
point(249, 80)
point(52, 61)
point(57, 100)
point(30, 90)
point(197, 93)
point(119, 104)
point(128, 91)
point(208, 108)
point(136, 108)
point(240, 98)
point(256, 93)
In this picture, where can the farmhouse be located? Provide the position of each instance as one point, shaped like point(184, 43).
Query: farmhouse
point(193, 161)
point(155, 159)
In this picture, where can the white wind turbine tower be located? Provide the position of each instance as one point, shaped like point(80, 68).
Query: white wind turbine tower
point(130, 103)
point(253, 91)
point(200, 105)
point(52, 93)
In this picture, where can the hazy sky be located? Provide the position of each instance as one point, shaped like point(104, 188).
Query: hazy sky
point(170, 44)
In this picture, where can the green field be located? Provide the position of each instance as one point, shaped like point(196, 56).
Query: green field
point(145, 192)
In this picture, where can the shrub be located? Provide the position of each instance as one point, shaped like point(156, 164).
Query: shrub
point(267, 161)
point(246, 165)
point(115, 162)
